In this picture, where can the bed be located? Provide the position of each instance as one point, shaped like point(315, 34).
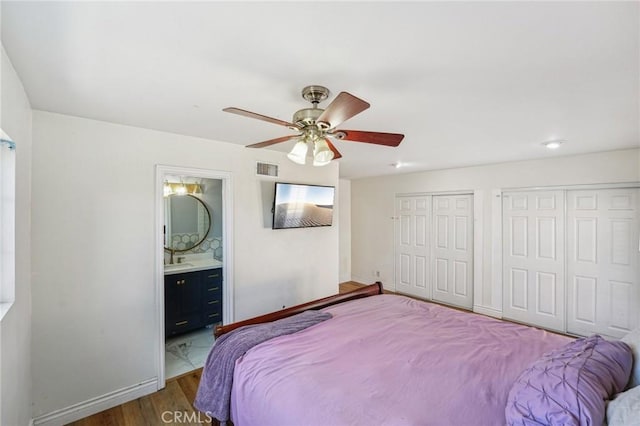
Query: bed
point(393, 360)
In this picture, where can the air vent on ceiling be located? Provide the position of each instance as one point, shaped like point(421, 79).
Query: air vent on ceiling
point(266, 169)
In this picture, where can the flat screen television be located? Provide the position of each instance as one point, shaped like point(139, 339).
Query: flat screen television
point(302, 206)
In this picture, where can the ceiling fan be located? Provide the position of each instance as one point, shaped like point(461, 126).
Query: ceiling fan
point(316, 126)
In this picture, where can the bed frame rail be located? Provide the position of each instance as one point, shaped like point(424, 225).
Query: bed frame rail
point(365, 291)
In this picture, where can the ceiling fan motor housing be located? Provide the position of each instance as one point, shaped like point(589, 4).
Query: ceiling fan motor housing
point(309, 116)
point(306, 117)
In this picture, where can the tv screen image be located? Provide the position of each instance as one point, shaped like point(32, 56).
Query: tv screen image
point(302, 206)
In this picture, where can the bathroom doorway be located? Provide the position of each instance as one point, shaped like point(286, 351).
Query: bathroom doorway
point(194, 286)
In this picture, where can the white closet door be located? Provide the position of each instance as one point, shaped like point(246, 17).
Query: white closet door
point(453, 249)
point(533, 258)
point(412, 246)
point(602, 261)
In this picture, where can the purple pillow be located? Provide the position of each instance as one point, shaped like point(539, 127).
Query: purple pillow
point(570, 385)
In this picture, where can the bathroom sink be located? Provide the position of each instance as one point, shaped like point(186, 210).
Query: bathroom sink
point(174, 266)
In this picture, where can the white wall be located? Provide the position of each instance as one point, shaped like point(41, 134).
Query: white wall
point(94, 328)
point(15, 327)
point(344, 223)
point(372, 206)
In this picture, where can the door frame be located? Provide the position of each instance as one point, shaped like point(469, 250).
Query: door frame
point(227, 250)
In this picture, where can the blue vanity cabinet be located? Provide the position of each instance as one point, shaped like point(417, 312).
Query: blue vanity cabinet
point(211, 296)
point(192, 300)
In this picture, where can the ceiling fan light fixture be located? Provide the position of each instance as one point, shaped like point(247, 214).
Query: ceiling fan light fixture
point(299, 152)
point(322, 154)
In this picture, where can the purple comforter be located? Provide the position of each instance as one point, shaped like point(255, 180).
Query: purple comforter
point(214, 390)
point(387, 360)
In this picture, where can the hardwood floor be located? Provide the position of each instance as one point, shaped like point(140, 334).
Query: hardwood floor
point(169, 406)
point(348, 286)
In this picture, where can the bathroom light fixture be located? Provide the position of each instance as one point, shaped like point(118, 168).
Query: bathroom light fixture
point(177, 188)
point(181, 189)
point(554, 144)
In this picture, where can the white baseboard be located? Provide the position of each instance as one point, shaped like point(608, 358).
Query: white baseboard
point(487, 311)
point(96, 405)
point(367, 281)
point(357, 279)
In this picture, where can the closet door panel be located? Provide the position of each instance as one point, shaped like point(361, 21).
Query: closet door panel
point(602, 261)
point(453, 249)
point(412, 246)
point(533, 258)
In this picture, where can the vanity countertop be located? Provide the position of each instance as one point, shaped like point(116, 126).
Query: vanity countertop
point(192, 266)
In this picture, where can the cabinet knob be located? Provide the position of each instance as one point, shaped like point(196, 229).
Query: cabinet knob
point(213, 302)
point(182, 322)
point(213, 289)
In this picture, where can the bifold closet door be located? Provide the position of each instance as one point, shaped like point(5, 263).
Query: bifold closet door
point(603, 261)
point(412, 246)
point(533, 258)
point(453, 249)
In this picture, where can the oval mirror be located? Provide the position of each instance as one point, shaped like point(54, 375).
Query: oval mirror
point(187, 222)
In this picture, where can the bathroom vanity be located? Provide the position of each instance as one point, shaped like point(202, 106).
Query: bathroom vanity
point(192, 295)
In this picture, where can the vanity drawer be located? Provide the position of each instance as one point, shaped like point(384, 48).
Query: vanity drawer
point(211, 276)
point(212, 316)
point(211, 294)
point(181, 325)
point(214, 302)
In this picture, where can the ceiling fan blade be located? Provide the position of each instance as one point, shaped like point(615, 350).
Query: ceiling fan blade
point(387, 139)
point(336, 153)
point(273, 141)
point(257, 116)
point(342, 108)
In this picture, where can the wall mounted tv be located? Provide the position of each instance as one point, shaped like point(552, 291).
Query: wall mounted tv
point(302, 206)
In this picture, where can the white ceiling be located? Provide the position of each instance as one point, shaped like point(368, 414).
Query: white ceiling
point(467, 83)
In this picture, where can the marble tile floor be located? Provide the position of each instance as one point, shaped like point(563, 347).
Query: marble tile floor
point(187, 352)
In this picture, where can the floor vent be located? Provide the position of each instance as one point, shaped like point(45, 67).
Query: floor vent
point(266, 169)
